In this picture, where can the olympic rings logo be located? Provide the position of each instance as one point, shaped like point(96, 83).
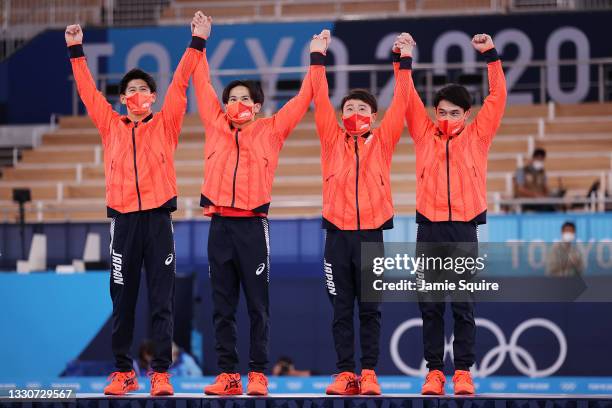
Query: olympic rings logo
point(523, 361)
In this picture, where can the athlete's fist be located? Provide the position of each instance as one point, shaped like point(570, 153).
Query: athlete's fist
point(201, 25)
point(73, 35)
point(482, 42)
point(320, 42)
point(404, 44)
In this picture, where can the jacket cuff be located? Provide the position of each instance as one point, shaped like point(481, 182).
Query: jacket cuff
point(197, 43)
point(405, 63)
point(316, 58)
point(76, 51)
point(396, 56)
point(490, 55)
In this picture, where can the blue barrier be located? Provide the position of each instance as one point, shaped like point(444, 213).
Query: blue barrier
point(51, 320)
point(297, 242)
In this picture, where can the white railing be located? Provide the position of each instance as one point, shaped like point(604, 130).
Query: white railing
point(38, 210)
point(501, 201)
point(568, 5)
point(21, 20)
point(426, 77)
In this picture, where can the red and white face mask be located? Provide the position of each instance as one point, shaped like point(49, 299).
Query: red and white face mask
point(139, 103)
point(239, 113)
point(357, 124)
point(451, 127)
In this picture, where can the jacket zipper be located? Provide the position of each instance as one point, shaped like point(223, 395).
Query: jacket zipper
point(235, 169)
point(357, 182)
point(136, 167)
point(448, 180)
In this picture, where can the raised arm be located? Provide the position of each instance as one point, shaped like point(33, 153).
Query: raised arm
point(209, 107)
point(98, 108)
point(489, 117)
point(392, 123)
point(418, 120)
point(287, 118)
point(325, 115)
point(175, 103)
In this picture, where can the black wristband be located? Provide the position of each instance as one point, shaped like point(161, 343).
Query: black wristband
point(490, 55)
point(197, 43)
point(76, 51)
point(317, 58)
point(396, 56)
point(406, 63)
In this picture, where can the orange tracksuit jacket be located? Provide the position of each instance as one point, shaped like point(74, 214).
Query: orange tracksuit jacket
point(138, 157)
point(356, 170)
point(239, 164)
point(452, 172)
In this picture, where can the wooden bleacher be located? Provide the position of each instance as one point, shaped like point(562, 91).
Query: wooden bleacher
point(183, 10)
point(66, 173)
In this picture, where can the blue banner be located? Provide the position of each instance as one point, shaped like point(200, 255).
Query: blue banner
point(523, 38)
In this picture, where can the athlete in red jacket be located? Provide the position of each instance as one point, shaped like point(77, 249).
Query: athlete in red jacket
point(451, 165)
point(140, 194)
point(357, 207)
point(241, 155)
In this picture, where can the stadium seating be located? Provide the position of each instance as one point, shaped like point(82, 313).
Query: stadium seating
point(66, 173)
point(235, 10)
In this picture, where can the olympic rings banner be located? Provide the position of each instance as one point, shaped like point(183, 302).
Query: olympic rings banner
point(512, 339)
point(517, 339)
point(526, 39)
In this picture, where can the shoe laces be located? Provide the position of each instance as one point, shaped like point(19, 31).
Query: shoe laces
point(463, 376)
point(435, 376)
point(258, 377)
point(159, 378)
point(227, 378)
point(350, 379)
point(118, 376)
point(369, 376)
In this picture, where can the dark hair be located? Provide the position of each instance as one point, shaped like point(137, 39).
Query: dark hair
point(456, 94)
point(539, 152)
point(568, 224)
point(137, 73)
point(254, 87)
point(285, 360)
point(362, 95)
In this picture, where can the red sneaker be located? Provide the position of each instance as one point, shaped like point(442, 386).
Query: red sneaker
point(258, 384)
point(434, 383)
point(368, 383)
point(121, 383)
point(225, 384)
point(344, 383)
point(463, 383)
point(160, 384)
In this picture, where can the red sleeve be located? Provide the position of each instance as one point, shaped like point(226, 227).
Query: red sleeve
point(325, 114)
point(489, 117)
point(287, 118)
point(175, 103)
point(392, 124)
point(98, 108)
point(209, 107)
point(418, 120)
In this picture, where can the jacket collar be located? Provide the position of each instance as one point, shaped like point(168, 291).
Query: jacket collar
point(365, 135)
point(444, 136)
point(127, 120)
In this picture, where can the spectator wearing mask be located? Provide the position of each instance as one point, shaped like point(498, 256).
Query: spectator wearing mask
point(531, 179)
point(565, 258)
point(531, 182)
